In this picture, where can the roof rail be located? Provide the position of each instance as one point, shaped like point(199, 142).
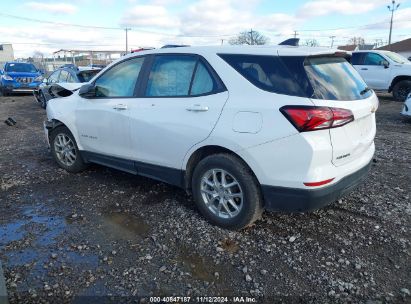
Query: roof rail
point(173, 46)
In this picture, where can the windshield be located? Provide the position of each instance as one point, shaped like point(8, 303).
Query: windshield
point(396, 57)
point(20, 67)
point(85, 76)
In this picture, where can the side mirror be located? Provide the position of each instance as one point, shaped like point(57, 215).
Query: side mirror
point(385, 63)
point(87, 91)
point(45, 80)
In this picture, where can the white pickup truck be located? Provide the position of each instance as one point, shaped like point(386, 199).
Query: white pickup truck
point(384, 71)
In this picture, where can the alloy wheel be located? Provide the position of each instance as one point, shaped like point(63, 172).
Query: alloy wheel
point(65, 149)
point(221, 193)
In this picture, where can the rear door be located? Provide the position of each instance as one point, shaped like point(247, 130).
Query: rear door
point(180, 103)
point(336, 84)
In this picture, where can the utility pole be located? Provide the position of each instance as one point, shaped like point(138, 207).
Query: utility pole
point(295, 34)
point(332, 41)
point(127, 29)
point(251, 37)
point(392, 8)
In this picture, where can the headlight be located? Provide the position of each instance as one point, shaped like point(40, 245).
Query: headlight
point(7, 77)
point(38, 79)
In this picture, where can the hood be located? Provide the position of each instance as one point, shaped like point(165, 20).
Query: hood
point(22, 74)
point(72, 86)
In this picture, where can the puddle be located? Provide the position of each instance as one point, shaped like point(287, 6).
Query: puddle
point(21, 257)
point(200, 268)
point(76, 258)
point(11, 232)
point(125, 226)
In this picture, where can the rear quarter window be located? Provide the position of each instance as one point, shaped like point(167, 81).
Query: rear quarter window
point(322, 77)
point(266, 72)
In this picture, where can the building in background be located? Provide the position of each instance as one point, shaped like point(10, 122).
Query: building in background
point(6, 53)
point(402, 47)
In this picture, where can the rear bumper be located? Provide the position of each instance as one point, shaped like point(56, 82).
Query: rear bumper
point(301, 200)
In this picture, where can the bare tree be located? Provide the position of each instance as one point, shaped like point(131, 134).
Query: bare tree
point(311, 42)
point(38, 60)
point(250, 38)
point(356, 41)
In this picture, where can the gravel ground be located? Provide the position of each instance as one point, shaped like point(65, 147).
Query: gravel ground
point(104, 235)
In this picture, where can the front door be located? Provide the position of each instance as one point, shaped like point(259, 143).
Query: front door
point(375, 74)
point(103, 121)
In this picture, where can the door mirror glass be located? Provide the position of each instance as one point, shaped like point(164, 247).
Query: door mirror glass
point(45, 80)
point(385, 63)
point(87, 91)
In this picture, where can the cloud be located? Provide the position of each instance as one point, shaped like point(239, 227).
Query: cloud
point(155, 16)
point(55, 8)
point(228, 17)
point(315, 8)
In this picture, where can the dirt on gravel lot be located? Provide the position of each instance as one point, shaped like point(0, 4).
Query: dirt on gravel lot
point(104, 235)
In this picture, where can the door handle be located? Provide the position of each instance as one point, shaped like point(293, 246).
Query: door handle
point(197, 108)
point(364, 69)
point(120, 107)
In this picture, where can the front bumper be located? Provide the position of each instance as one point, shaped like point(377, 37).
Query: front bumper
point(302, 200)
point(17, 87)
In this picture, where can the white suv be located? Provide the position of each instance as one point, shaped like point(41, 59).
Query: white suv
point(241, 128)
point(384, 71)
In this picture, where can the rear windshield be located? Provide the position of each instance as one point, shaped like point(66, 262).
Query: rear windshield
point(20, 68)
point(329, 78)
point(86, 76)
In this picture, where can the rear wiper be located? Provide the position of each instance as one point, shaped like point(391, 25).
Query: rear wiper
point(365, 91)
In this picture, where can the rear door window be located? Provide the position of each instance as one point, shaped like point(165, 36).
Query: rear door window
point(357, 58)
point(171, 76)
point(181, 75)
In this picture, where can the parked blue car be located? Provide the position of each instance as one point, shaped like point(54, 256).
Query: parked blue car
point(19, 77)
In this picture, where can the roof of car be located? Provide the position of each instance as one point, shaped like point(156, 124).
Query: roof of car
point(251, 50)
point(18, 62)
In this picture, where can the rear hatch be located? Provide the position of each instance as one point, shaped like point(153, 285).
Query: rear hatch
point(332, 82)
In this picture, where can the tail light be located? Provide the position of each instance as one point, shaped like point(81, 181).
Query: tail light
point(310, 118)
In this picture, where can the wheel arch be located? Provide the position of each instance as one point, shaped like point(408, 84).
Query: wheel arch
point(203, 152)
point(55, 123)
point(398, 79)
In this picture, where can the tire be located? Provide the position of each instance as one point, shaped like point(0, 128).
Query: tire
point(43, 101)
point(62, 142)
point(246, 196)
point(401, 90)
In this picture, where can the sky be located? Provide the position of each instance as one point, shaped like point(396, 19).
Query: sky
point(49, 25)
